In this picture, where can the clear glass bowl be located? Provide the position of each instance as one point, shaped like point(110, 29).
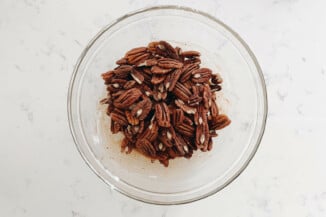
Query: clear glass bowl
point(243, 99)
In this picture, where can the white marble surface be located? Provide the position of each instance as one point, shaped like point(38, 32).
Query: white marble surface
point(42, 173)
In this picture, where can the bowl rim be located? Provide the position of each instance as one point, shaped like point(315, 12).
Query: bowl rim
point(186, 9)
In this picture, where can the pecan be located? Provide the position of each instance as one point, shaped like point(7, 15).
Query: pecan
point(119, 118)
point(200, 115)
point(184, 107)
point(190, 54)
point(201, 75)
point(180, 145)
point(195, 60)
point(136, 50)
point(131, 119)
point(177, 116)
point(185, 129)
point(122, 71)
point(170, 51)
point(157, 79)
point(121, 61)
point(162, 114)
point(129, 84)
point(107, 76)
point(137, 55)
point(202, 135)
point(181, 92)
point(142, 109)
point(160, 71)
point(194, 100)
point(207, 97)
point(128, 133)
point(216, 79)
point(166, 137)
point(219, 122)
point(214, 109)
point(145, 147)
point(187, 72)
point(168, 63)
point(139, 59)
point(151, 133)
point(137, 76)
point(127, 98)
point(172, 79)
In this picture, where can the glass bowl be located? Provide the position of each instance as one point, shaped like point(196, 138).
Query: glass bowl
point(243, 99)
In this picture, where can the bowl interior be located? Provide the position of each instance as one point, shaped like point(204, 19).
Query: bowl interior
point(242, 99)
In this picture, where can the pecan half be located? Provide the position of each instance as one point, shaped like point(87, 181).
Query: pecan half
point(137, 76)
point(190, 54)
point(145, 147)
point(157, 79)
point(172, 79)
point(127, 98)
point(142, 109)
point(181, 92)
point(131, 119)
point(184, 107)
point(168, 63)
point(219, 122)
point(201, 75)
point(162, 114)
point(187, 71)
point(170, 51)
point(119, 117)
point(185, 129)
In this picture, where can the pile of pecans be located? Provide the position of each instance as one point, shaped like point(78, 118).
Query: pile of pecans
point(163, 102)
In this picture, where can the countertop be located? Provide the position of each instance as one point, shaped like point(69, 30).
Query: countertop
point(42, 173)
